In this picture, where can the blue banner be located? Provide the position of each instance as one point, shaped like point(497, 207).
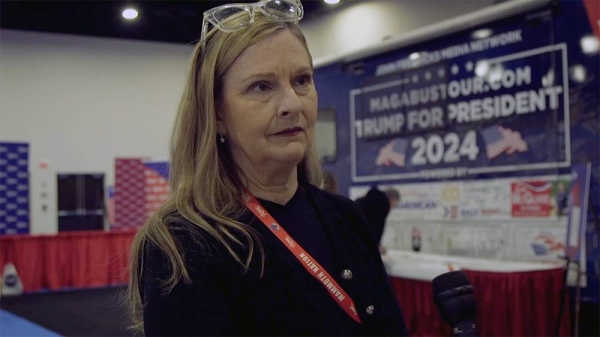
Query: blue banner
point(482, 113)
point(14, 188)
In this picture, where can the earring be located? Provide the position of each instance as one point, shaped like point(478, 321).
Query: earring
point(221, 138)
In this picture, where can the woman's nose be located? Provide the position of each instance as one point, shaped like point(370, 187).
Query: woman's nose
point(290, 103)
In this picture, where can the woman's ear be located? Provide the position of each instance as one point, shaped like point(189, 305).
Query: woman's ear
point(221, 128)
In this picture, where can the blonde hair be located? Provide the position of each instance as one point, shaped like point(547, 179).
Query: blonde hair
point(205, 185)
point(330, 183)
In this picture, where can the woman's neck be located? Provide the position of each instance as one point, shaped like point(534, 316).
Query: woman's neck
point(278, 187)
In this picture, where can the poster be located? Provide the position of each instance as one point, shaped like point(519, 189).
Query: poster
point(537, 197)
point(489, 199)
point(483, 112)
point(531, 199)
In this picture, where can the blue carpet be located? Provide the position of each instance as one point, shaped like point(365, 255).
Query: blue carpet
point(95, 312)
point(13, 325)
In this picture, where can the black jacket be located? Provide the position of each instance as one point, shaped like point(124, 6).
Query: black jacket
point(286, 300)
point(376, 206)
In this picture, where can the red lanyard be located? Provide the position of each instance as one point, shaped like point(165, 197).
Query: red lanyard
point(310, 264)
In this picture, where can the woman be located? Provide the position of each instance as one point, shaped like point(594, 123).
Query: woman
point(247, 245)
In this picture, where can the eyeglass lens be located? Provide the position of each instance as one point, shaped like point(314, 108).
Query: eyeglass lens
point(224, 17)
point(277, 8)
point(282, 9)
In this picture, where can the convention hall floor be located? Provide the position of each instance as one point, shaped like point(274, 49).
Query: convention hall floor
point(90, 312)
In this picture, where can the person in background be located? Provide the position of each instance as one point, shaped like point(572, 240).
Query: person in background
point(562, 199)
point(376, 205)
point(247, 243)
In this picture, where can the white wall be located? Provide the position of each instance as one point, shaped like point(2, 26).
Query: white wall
point(80, 102)
point(369, 22)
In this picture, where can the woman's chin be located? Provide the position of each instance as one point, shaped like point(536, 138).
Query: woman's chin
point(290, 156)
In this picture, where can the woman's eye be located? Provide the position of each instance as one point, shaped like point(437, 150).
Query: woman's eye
point(305, 79)
point(260, 87)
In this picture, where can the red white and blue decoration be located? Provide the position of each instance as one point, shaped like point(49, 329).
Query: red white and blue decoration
point(141, 187)
point(14, 188)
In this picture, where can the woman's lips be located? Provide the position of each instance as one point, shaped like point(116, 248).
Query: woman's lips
point(289, 131)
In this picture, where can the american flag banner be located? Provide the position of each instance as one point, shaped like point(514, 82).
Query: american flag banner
point(14, 188)
point(500, 140)
point(130, 196)
point(141, 187)
point(393, 152)
point(157, 184)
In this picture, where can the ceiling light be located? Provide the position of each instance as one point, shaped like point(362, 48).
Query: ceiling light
point(481, 33)
point(482, 68)
point(331, 2)
point(495, 73)
point(578, 73)
point(130, 13)
point(589, 44)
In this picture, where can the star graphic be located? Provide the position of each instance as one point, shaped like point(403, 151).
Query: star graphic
point(469, 66)
point(415, 78)
point(454, 69)
point(428, 75)
point(441, 72)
